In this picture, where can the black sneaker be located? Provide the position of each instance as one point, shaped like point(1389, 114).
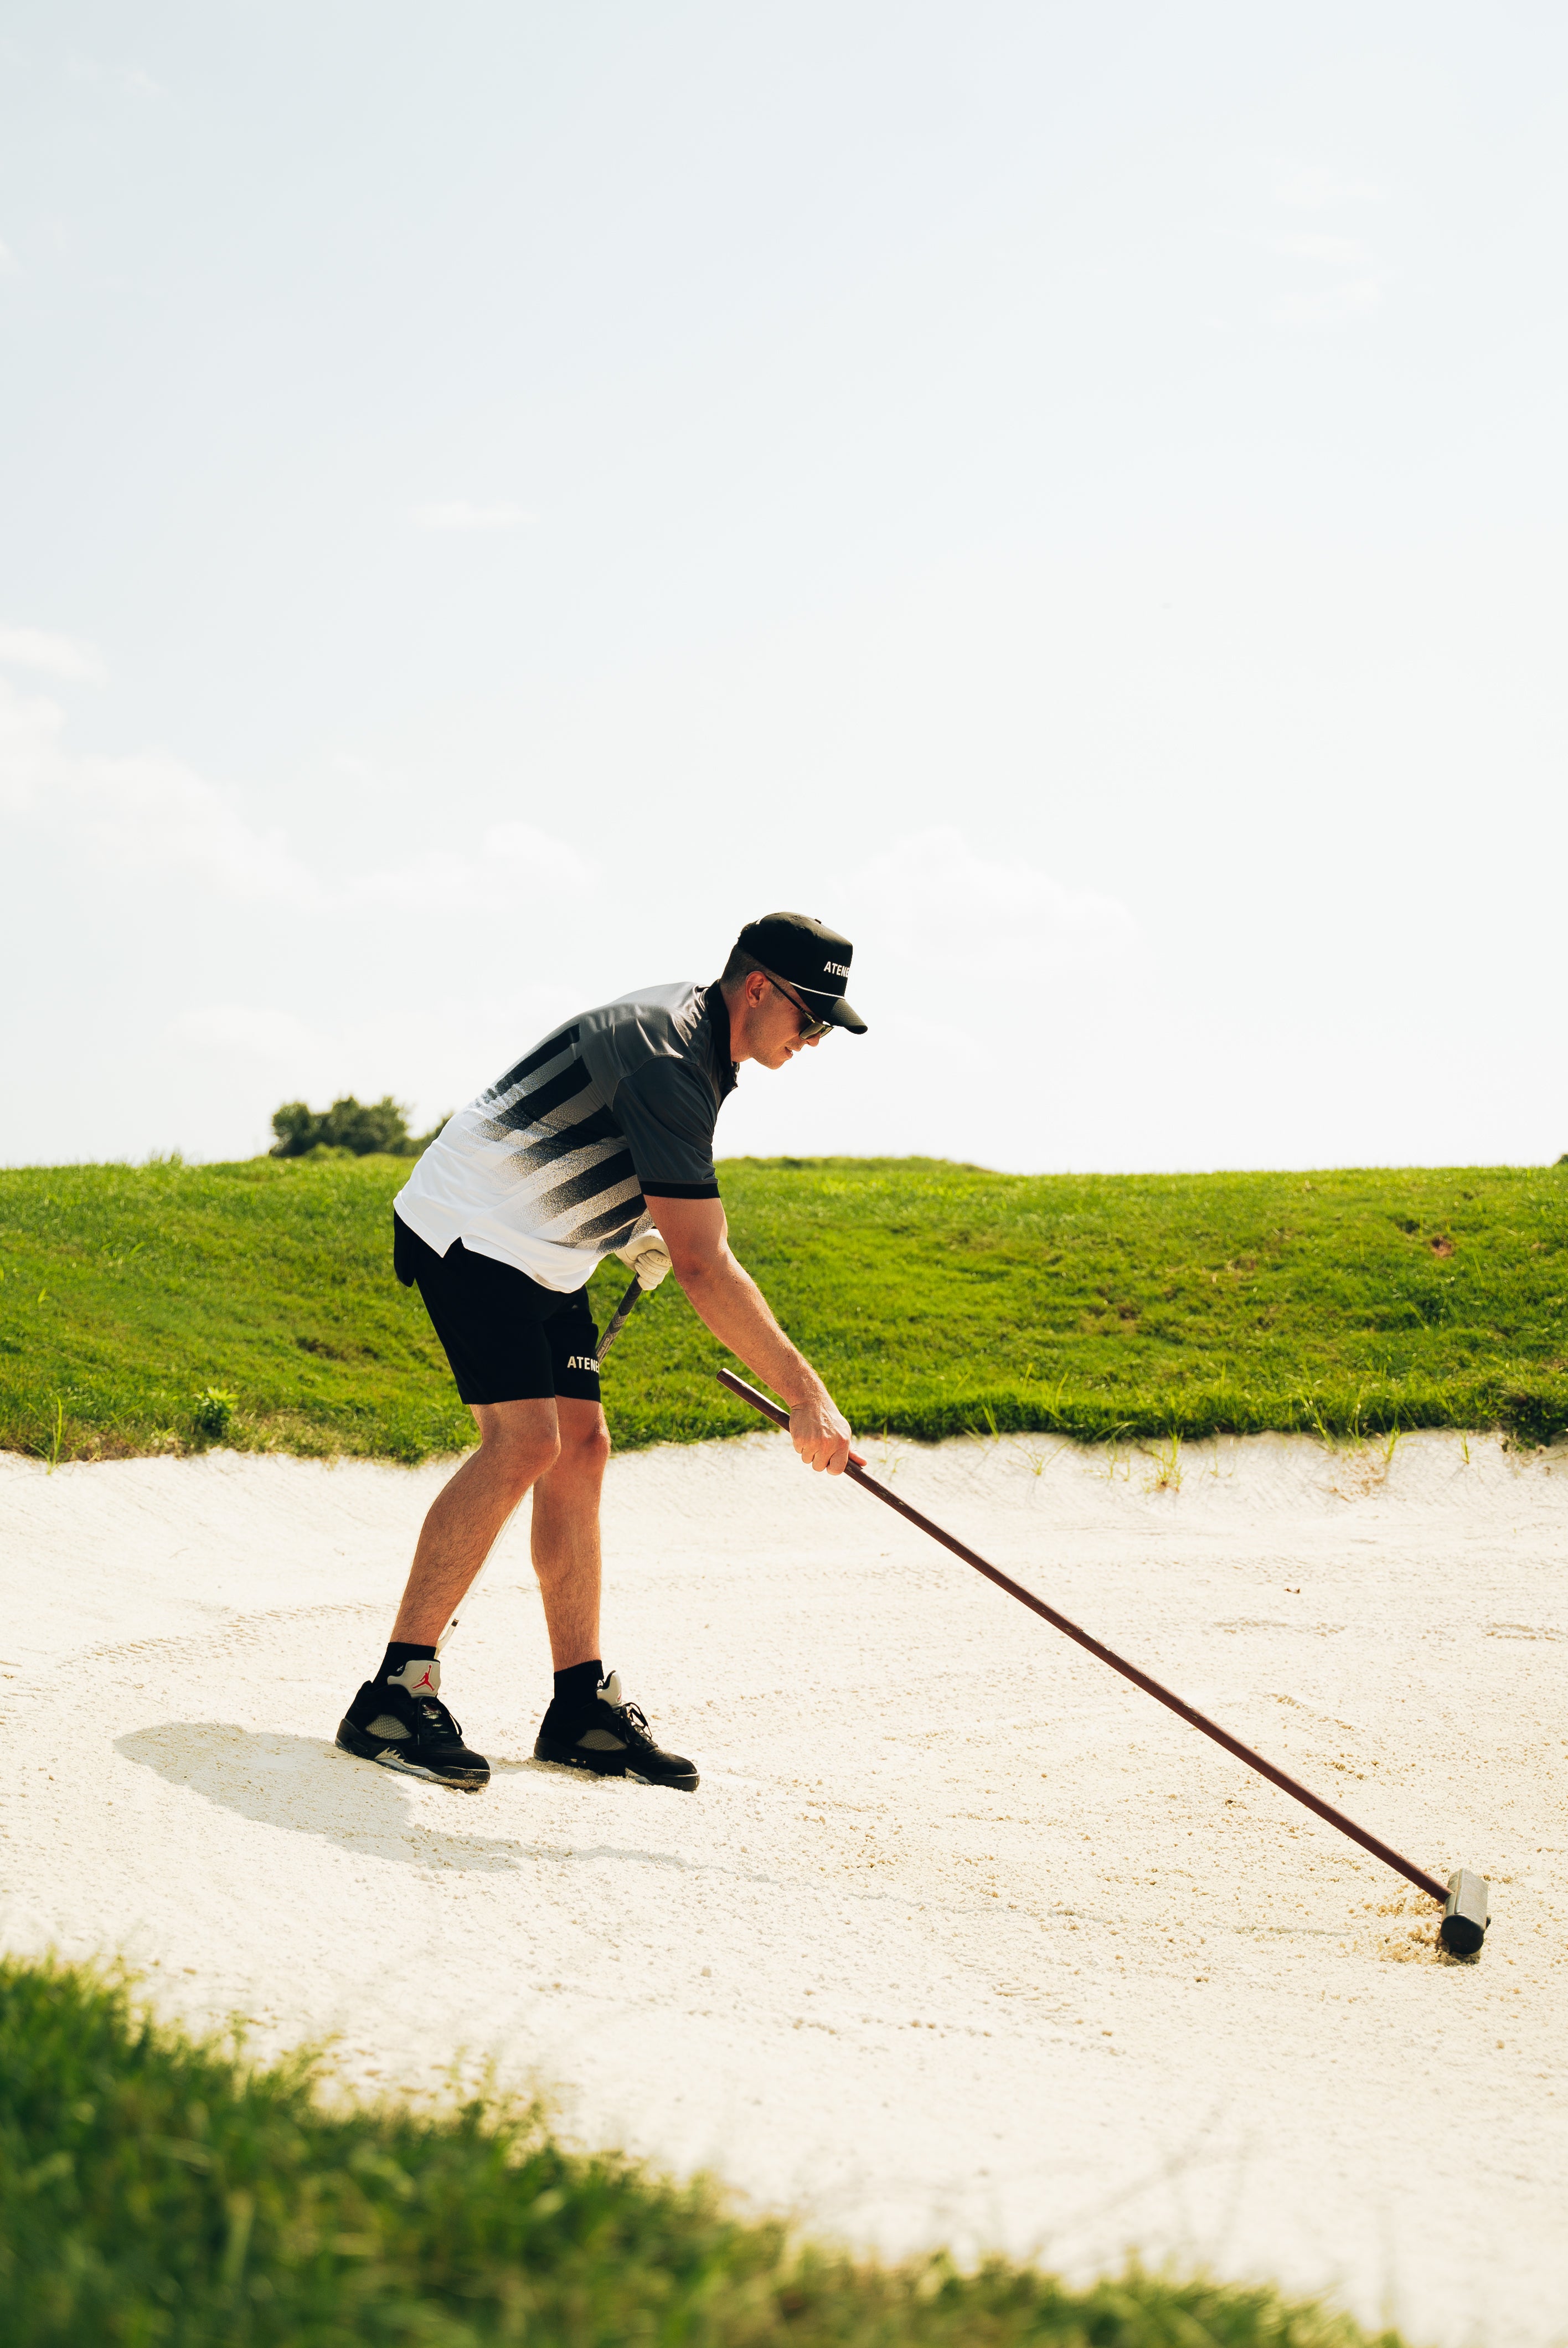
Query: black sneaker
point(610, 1737)
point(401, 1721)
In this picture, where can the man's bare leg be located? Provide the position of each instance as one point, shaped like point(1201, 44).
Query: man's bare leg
point(590, 1725)
point(519, 1442)
point(565, 1533)
point(398, 1719)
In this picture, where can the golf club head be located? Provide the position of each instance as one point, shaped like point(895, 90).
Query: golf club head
point(1466, 1915)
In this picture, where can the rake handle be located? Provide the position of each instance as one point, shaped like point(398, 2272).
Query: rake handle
point(1288, 1785)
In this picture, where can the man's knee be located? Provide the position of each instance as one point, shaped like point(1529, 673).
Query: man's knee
point(520, 1458)
point(584, 1447)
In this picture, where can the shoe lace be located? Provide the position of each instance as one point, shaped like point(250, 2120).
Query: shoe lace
point(634, 1718)
point(439, 1721)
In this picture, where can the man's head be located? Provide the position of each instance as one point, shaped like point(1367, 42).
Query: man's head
point(784, 984)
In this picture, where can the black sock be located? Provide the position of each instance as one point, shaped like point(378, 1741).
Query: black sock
point(580, 1686)
point(404, 1651)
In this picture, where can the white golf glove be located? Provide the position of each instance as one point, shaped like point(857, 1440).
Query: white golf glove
point(647, 1257)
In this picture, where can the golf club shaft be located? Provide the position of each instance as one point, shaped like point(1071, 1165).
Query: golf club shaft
point(1325, 1811)
point(623, 1312)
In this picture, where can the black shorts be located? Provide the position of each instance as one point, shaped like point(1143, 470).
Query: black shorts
point(508, 1338)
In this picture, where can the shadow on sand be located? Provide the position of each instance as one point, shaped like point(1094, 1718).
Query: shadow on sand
point(305, 1785)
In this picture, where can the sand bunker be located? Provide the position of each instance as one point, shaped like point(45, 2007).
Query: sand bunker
point(962, 1940)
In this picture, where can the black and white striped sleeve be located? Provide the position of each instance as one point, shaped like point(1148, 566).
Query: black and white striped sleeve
point(666, 1111)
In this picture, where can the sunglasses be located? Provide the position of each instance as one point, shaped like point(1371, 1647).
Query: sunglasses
point(811, 1027)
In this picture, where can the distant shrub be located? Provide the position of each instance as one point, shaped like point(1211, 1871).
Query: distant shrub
point(349, 1129)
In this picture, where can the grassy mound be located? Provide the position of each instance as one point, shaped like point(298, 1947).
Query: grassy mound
point(163, 1306)
point(153, 2190)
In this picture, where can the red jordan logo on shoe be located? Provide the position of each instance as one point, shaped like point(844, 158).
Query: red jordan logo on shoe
point(420, 1675)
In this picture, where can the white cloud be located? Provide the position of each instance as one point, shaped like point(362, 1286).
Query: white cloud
point(156, 814)
point(260, 1033)
point(28, 732)
point(1312, 307)
point(1300, 299)
point(949, 916)
point(9, 265)
point(456, 513)
point(146, 813)
point(1338, 251)
point(1316, 187)
point(511, 858)
point(511, 846)
point(1330, 306)
point(972, 967)
point(135, 78)
point(57, 657)
point(152, 813)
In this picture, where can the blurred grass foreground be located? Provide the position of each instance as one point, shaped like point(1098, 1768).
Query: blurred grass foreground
point(165, 1307)
point(154, 2190)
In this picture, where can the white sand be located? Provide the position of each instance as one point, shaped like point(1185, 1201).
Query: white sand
point(962, 1939)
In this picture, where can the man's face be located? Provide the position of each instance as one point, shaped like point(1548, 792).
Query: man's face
point(774, 1021)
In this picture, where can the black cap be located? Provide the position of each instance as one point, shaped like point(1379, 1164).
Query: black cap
point(808, 957)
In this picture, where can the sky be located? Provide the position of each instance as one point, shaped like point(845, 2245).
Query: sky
point(494, 497)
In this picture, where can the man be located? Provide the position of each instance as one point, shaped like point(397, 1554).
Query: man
point(599, 1140)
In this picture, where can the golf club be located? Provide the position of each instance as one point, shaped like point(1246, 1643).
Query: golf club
point(619, 1320)
point(1463, 1899)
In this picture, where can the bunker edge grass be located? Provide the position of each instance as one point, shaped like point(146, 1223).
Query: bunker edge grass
point(156, 2189)
point(169, 1308)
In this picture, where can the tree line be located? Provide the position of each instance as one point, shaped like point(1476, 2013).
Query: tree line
point(350, 1129)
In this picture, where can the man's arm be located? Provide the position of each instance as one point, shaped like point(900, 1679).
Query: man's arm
point(728, 1299)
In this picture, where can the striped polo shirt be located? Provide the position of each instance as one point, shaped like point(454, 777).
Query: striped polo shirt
point(553, 1165)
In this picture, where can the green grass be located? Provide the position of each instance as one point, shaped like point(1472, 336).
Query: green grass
point(166, 1306)
point(157, 2191)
